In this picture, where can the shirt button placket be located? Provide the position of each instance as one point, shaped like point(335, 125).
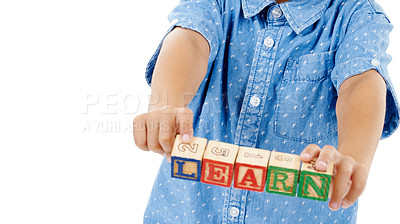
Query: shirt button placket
point(249, 120)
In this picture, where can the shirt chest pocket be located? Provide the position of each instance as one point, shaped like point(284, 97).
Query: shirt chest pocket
point(307, 99)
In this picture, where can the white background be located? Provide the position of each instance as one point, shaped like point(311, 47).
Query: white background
point(62, 161)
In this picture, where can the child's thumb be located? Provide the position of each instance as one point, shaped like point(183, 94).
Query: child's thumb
point(185, 124)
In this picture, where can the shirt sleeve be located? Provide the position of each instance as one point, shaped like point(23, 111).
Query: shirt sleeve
point(364, 48)
point(202, 16)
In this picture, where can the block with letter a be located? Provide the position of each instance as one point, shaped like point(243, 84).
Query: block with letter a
point(314, 184)
point(186, 158)
point(218, 162)
point(251, 169)
point(283, 173)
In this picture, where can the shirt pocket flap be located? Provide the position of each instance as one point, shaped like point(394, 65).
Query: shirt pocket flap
point(309, 67)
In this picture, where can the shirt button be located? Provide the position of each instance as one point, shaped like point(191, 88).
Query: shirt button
point(269, 42)
point(234, 212)
point(174, 22)
point(255, 101)
point(276, 13)
point(375, 62)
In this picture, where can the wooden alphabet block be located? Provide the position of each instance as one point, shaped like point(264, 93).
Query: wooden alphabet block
point(283, 173)
point(186, 158)
point(251, 169)
point(218, 162)
point(314, 184)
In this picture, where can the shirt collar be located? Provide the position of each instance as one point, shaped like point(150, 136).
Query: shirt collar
point(299, 13)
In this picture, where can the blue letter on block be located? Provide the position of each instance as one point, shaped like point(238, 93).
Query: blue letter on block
point(185, 168)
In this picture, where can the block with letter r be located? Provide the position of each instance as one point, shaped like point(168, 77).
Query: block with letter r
point(283, 173)
point(186, 158)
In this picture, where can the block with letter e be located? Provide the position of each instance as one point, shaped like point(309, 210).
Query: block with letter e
point(186, 158)
point(283, 173)
point(218, 162)
point(314, 184)
point(251, 169)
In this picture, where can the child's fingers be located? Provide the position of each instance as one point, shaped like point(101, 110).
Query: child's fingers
point(342, 184)
point(359, 180)
point(185, 123)
point(168, 157)
point(326, 156)
point(152, 126)
point(167, 131)
point(310, 152)
point(139, 132)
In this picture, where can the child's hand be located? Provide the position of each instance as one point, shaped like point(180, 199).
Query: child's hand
point(155, 131)
point(349, 177)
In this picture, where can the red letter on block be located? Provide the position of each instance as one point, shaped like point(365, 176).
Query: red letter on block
point(217, 173)
point(250, 177)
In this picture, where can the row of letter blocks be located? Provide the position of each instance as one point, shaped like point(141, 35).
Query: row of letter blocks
point(219, 163)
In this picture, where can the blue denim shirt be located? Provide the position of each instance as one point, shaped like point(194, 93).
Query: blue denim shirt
point(272, 83)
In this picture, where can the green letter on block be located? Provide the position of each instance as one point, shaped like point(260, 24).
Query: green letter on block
point(282, 181)
point(314, 186)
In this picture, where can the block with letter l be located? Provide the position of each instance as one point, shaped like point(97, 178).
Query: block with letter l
point(218, 162)
point(251, 169)
point(314, 184)
point(283, 173)
point(186, 158)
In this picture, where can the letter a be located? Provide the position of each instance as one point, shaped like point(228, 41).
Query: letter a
point(249, 177)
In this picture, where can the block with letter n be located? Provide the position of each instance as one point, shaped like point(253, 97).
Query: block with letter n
point(283, 173)
point(218, 162)
point(186, 158)
point(314, 184)
point(251, 169)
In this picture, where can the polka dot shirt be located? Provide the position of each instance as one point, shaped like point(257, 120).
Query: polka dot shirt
point(272, 82)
